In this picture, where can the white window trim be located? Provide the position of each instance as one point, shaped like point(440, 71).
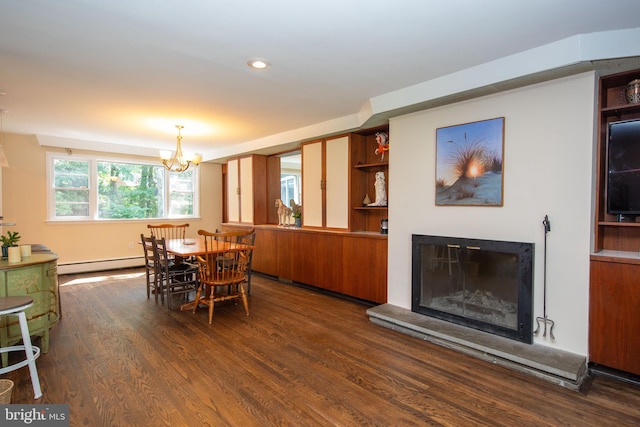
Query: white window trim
point(93, 188)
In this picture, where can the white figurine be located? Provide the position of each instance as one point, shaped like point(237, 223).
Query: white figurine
point(381, 190)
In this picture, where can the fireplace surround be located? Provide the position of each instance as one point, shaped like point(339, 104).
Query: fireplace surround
point(481, 284)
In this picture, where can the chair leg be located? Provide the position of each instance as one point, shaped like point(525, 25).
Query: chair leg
point(211, 298)
point(197, 300)
point(243, 296)
point(26, 340)
point(148, 284)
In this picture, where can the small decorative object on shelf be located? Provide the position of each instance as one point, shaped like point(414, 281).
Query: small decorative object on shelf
point(633, 92)
point(382, 139)
point(366, 200)
point(381, 190)
point(284, 212)
point(384, 226)
point(296, 210)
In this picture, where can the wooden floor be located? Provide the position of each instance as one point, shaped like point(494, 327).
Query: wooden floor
point(301, 358)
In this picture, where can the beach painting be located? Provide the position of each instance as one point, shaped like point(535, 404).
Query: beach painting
point(469, 164)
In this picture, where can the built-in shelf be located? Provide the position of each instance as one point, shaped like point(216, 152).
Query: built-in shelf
point(366, 165)
point(364, 208)
point(371, 165)
point(620, 224)
point(627, 108)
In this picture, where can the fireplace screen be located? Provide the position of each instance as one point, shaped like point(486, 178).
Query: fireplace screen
point(481, 284)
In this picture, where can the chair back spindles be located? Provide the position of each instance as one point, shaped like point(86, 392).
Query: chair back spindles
point(168, 231)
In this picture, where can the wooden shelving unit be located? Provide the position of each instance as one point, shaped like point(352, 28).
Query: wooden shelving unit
point(614, 293)
point(365, 166)
point(613, 107)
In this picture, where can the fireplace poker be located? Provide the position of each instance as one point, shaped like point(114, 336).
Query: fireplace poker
point(545, 320)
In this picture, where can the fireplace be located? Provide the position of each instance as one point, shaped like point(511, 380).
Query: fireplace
point(481, 284)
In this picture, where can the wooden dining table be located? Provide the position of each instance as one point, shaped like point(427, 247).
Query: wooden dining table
point(186, 248)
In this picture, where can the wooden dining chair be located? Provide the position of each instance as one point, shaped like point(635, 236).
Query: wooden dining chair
point(168, 232)
point(174, 278)
point(150, 265)
point(246, 236)
point(222, 270)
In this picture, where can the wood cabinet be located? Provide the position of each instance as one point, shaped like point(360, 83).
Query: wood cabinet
point(36, 276)
point(615, 261)
point(246, 190)
point(613, 315)
point(353, 264)
point(325, 183)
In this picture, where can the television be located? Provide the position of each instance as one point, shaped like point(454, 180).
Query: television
point(623, 169)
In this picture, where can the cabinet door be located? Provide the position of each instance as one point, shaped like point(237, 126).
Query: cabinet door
point(233, 185)
point(365, 268)
point(337, 182)
point(312, 182)
point(613, 315)
point(27, 281)
point(246, 189)
point(265, 254)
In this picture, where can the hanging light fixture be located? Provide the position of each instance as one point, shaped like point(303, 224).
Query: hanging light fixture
point(179, 162)
point(4, 163)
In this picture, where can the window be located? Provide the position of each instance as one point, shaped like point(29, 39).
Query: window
point(84, 188)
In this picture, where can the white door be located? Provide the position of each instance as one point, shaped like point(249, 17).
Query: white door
point(312, 184)
point(246, 189)
point(233, 186)
point(337, 182)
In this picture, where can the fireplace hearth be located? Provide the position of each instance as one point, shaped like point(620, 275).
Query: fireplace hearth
point(481, 284)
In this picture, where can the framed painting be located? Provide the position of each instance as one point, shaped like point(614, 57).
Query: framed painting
point(469, 164)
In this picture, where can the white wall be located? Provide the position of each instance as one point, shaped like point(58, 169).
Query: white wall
point(548, 163)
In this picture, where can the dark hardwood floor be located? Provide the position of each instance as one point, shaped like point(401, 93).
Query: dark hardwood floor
point(301, 358)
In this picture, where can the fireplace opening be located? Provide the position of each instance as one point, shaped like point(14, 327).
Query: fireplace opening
point(482, 284)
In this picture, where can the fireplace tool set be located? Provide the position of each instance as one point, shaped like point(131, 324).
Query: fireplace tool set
point(545, 320)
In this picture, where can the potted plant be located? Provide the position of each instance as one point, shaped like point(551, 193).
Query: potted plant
point(296, 213)
point(11, 239)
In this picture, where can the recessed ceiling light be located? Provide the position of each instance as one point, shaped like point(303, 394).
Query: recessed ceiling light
point(258, 63)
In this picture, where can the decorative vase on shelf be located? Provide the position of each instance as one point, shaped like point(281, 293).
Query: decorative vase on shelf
point(633, 92)
point(366, 200)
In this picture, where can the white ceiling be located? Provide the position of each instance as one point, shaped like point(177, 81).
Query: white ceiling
point(81, 72)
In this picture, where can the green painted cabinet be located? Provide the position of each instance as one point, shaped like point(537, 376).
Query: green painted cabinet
point(36, 276)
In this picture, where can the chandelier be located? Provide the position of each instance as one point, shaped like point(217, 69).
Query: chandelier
point(179, 162)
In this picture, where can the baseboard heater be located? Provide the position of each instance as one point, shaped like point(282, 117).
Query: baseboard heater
point(100, 265)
